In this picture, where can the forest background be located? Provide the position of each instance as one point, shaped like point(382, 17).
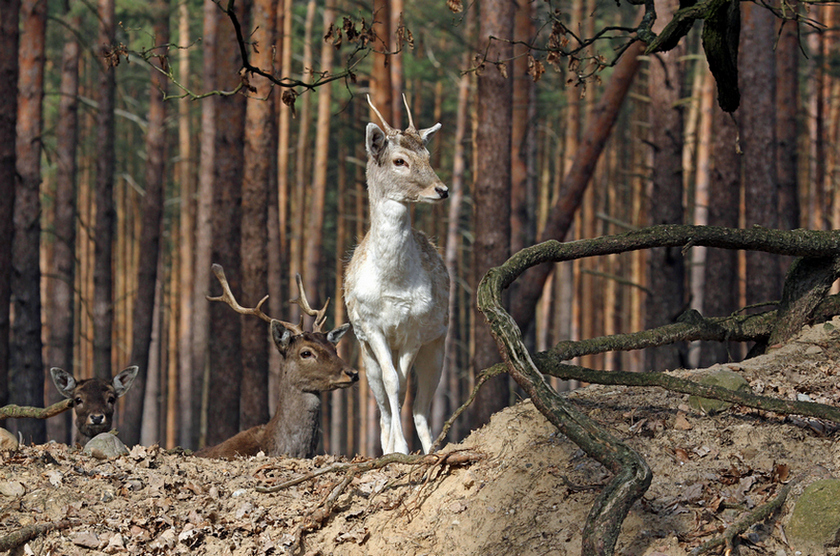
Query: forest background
point(134, 153)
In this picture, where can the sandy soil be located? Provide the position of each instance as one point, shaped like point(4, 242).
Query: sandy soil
point(527, 490)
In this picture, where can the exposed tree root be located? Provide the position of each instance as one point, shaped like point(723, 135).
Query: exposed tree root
point(318, 517)
point(22, 411)
point(24, 535)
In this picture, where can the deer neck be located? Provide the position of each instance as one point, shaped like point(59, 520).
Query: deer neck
point(293, 430)
point(391, 236)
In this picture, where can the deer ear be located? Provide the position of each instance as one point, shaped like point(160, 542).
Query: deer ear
point(123, 381)
point(375, 141)
point(281, 335)
point(427, 134)
point(334, 336)
point(64, 381)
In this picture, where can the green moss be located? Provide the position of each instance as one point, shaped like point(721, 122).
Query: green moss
point(815, 522)
point(725, 379)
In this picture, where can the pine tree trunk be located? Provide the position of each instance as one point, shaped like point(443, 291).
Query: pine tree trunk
point(225, 349)
point(193, 391)
point(259, 130)
point(787, 132)
point(492, 195)
point(103, 282)
point(60, 352)
point(9, 22)
point(26, 377)
point(666, 266)
point(150, 234)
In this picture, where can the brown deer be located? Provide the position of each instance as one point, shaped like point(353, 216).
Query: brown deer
point(396, 286)
point(94, 399)
point(310, 366)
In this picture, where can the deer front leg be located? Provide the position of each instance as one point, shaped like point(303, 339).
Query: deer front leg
point(384, 382)
point(427, 370)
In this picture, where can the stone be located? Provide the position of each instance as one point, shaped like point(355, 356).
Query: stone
point(718, 377)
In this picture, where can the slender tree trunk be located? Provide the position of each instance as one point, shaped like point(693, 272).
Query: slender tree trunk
point(147, 266)
point(757, 117)
point(315, 229)
point(492, 193)
point(103, 283)
point(380, 79)
point(225, 351)
point(666, 266)
point(9, 31)
point(62, 304)
point(184, 396)
point(259, 129)
point(194, 389)
point(26, 377)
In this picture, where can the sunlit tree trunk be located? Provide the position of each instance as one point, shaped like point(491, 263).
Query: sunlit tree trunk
point(26, 377)
point(182, 393)
point(9, 21)
point(197, 383)
point(103, 282)
point(492, 187)
point(787, 131)
point(150, 232)
point(62, 304)
point(259, 130)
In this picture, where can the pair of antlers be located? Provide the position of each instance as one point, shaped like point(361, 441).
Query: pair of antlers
point(228, 297)
point(388, 129)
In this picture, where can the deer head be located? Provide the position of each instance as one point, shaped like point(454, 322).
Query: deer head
point(94, 399)
point(398, 167)
point(310, 360)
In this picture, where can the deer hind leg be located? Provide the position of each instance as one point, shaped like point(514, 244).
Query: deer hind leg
point(427, 369)
point(385, 383)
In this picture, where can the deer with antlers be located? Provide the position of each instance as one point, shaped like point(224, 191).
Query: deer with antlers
point(396, 286)
point(310, 366)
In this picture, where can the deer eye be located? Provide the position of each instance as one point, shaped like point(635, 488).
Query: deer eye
point(77, 400)
point(112, 400)
point(305, 354)
point(400, 162)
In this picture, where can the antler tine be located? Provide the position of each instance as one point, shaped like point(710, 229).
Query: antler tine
point(408, 112)
point(320, 316)
point(388, 128)
point(228, 297)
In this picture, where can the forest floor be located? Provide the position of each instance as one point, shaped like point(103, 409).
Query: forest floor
point(519, 488)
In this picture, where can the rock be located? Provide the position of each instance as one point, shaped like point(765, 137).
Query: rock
point(814, 525)
point(105, 446)
point(8, 442)
point(718, 377)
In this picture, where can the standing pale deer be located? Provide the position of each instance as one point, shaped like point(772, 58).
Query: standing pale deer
point(94, 399)
point(396, 286)
point(310, 365)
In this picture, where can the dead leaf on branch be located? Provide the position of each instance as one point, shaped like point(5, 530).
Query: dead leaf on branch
point(535, 68)
point(455, 6)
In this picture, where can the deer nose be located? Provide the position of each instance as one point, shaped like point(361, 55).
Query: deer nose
point(97, 419)
point(442, 191)
point(353, 374)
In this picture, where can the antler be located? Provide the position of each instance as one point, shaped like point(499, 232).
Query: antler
point(228, 297)
point(320, 316)
point(411, 127)
point(388, 129)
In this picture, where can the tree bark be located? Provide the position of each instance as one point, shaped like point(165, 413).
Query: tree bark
point(259, 129)
point(103, 284)
point(9, 31)
point(787, 110)
point(150, 232)
point(492, 194)
point(26, 377)
point(225, 349)
point(193, 388)
point(757, 116)
point(666, 267)
point(62, 304)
